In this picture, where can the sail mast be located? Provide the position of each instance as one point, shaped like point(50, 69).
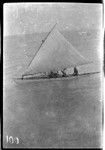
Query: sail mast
point(42, 44)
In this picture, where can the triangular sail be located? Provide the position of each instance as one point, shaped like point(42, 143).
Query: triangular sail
point(55, 54)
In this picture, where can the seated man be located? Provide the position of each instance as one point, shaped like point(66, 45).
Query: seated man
point(22, 77)
point(75, 71)
point(53, 74)
point(63, 72)
point(50, 75)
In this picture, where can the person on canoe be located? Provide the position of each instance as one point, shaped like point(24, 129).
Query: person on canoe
point(63, 72)
point(53, 74)
point(22, 77)
point(75, 71)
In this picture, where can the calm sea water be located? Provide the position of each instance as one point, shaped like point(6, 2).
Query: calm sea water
point(65, 113)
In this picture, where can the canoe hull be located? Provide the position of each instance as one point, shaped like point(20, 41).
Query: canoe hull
point(31, 80)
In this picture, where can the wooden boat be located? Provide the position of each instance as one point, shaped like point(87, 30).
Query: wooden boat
point(71, 77)
point(54, 54)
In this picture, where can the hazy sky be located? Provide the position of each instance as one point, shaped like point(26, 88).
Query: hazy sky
point(30, 17)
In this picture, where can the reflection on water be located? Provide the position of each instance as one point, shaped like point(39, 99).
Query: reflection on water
point(54, 113)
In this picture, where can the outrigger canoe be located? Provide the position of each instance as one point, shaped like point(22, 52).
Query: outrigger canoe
point(55, 53)
point(29, 80)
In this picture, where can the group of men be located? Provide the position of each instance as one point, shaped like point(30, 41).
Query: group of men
point(56, 74)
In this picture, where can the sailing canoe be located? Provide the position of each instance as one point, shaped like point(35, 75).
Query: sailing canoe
point(54, 54)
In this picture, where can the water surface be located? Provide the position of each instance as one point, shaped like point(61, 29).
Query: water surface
point(63, 113)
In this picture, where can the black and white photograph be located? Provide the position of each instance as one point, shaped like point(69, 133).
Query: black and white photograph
point(52, 75)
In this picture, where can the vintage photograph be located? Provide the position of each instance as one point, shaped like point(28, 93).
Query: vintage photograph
point(52, 75)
